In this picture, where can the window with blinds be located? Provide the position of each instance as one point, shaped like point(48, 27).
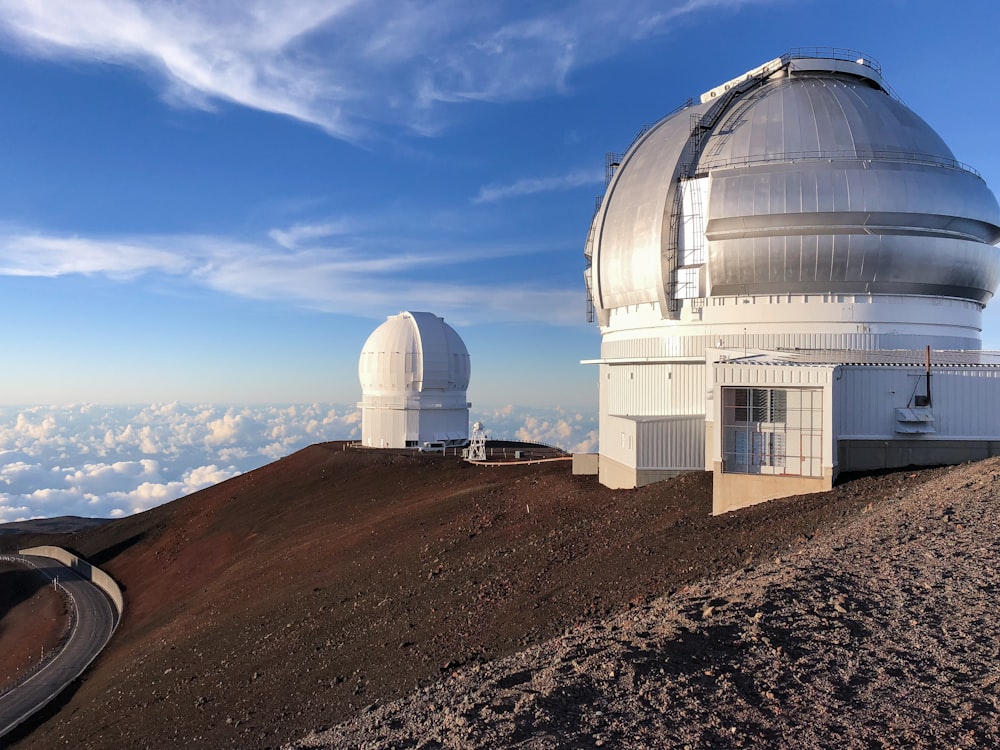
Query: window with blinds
point(772, 431)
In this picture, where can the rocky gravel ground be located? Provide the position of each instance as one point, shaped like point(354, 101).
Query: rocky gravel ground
point(880, 633)
point(324, 587)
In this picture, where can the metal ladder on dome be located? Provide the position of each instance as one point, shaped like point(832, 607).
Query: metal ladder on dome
point(673, 243)
point(694, 257)
point(701, 126)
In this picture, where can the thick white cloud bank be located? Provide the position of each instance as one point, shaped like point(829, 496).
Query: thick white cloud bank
point(574, 431)
point(113, 461)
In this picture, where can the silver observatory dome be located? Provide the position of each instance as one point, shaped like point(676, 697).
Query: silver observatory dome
point(818, 181)
point(798, 207)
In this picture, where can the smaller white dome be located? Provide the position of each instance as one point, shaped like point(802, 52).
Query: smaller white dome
point(414, 372)
point(413, 353)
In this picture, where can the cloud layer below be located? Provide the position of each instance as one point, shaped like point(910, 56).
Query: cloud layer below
point(108, 462)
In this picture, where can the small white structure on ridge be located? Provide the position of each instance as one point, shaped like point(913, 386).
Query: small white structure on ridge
point(477, 446)
point(414, 371)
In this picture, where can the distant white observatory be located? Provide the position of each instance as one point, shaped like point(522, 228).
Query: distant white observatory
point(414, 372)
point(789, 277)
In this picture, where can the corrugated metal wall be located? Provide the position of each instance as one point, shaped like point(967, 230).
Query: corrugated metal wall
point(665, 345)
point(694, 346)
point(748, 374)
point(965, 401)
point(387, 428)
point(656, 389)
point(675, 443)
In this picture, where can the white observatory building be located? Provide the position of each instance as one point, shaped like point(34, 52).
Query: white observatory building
point(414, 372)
point(789, 277)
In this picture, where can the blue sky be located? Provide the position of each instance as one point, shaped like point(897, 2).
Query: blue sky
point(218, 202)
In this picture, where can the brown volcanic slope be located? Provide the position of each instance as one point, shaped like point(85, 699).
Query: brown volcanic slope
point(57, 525)
point(33, 620)
point(286, 599)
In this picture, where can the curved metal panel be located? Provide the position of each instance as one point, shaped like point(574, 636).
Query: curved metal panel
point(444, 359)
point(757, 195)
point(414, 351)
point(629, 228)
point(888, 227)
point(854, 263)
point(817, 114)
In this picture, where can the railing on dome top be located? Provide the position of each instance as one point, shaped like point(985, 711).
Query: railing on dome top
point(832, 53)
point(841, 53)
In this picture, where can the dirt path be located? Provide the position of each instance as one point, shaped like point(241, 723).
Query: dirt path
point(881, 634)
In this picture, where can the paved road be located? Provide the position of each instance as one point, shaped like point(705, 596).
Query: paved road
point(92, 627)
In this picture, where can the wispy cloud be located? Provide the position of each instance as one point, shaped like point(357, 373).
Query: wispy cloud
point(41, 255)
point(359, 277)
point(345, 66)
point(531, 185)
point(291, 237)
point(244, 52)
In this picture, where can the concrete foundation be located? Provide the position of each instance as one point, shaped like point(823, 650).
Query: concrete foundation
point(585, 464)
point(734, 491)
point(618, 476)
point(709, 444)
